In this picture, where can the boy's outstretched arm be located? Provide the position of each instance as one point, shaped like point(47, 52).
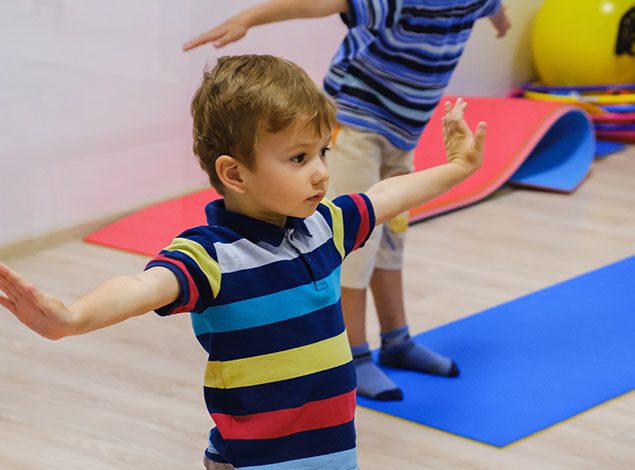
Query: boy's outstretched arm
point(464, 151)
point(114, 301)
point(268, 12)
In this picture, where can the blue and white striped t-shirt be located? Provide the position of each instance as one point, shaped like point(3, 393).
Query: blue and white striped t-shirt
point(393, 65)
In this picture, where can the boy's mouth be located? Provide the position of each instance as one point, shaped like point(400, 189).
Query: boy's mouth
point(317, 197)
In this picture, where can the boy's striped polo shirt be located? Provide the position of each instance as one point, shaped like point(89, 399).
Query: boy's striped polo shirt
point(265, 302)
point(395, 62)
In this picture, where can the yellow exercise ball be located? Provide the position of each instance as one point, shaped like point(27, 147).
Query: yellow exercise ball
point(585, 42)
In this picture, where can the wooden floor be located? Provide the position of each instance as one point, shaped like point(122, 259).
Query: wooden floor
point(129, 397)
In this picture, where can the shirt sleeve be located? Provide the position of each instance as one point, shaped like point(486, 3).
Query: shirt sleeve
point(352, 220)
point(490, 7)
point(192, 259)
point(373, 15)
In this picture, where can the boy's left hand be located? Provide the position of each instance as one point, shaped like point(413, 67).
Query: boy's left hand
point(500, 21)
point(461, 146)
point(45, 314)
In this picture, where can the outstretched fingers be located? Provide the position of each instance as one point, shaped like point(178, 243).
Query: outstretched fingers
point(13, 281)
point(17, 291)
point(7, 289)
point(229, 37)
point(6, 303)
point(456, 110)
point(230, 31)
point(479, 137)
point(444, 122)
point(213, 35)
point(11, 284)
point(453, 119)
point(461, 144)
point(12, 295)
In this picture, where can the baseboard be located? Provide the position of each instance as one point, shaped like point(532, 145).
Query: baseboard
point(40, 242)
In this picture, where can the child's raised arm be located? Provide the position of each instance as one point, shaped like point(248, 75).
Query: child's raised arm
point(114, 301)
point(464, 151)
point(268, 12)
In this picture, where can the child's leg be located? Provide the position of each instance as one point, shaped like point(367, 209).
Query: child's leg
point(387, 289)
point(354, 162)
point(211, 465)
point(398, 350)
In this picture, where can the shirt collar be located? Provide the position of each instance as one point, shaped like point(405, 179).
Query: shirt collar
point(252, 229)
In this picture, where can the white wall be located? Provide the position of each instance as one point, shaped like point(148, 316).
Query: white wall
point(94, 97)
point(493, 67)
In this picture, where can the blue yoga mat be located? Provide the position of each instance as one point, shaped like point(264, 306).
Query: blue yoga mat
point(604, 148)
point(529, 363)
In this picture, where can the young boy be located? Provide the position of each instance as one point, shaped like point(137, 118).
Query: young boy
point(386, 78)
point(261, 279)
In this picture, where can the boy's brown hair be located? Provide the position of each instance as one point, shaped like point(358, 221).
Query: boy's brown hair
point(245, 95)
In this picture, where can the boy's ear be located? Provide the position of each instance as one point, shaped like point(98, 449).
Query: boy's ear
point(229, 171)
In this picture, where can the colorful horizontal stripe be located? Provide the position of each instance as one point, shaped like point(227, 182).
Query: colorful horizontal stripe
point(277, 395)
point(243, 254)
point(255, 452)
point(281, 365)
point(277, 275)
point(273, 308)
point(269, 425)
point(344, 460)
point(319, 325)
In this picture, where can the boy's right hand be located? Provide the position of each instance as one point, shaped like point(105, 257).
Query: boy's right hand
point(231, 30)
point(264, 13)
point(461, 146)
point(44, 314)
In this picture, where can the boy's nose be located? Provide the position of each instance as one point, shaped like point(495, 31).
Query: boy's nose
point(320, 172)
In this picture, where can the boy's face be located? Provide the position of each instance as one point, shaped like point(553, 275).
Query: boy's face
point(290, 176)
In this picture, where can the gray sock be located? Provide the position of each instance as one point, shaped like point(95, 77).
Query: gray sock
point(400, 351)
point(371, 380)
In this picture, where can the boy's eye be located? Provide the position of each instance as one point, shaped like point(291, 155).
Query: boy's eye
point(324, 150)
point(299, 158)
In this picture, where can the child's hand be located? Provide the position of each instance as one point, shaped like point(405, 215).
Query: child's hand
point(461, 146)
point(44, 314)
point(501, 22)
point(231, 30)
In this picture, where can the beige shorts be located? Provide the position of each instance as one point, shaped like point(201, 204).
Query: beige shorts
point(357, 160)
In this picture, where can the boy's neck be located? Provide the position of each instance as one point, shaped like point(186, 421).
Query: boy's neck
point(241, 205)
